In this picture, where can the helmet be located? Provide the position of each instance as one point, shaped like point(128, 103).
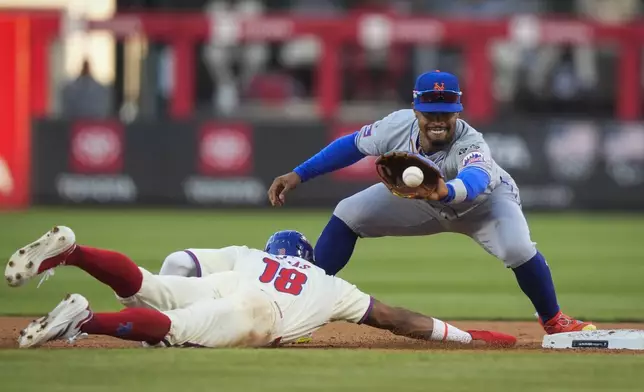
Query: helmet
point(290, 243)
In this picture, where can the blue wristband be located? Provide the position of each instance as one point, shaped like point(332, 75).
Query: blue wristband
point(450, 193)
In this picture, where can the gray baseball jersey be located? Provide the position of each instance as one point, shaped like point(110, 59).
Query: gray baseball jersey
point(399, 132)
point(497, 223)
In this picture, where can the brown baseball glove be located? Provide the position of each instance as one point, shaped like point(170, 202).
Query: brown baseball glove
point(391, 166)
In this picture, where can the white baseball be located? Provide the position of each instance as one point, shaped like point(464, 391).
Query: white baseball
point(412, 176)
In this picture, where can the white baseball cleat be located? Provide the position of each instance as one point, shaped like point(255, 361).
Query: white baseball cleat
point(62, 323)
point(157, 345)
point(40, 256)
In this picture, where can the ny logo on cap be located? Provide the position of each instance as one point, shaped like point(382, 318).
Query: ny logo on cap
point(439, 87)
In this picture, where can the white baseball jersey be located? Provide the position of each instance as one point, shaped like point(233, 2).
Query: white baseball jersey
point(307, 297)
point(247, 297)
point(399, 131)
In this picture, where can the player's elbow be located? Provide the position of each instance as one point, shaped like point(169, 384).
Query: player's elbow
point(178, 264)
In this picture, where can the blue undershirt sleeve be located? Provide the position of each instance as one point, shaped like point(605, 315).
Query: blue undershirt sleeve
point(342, 152)
point(467, 185)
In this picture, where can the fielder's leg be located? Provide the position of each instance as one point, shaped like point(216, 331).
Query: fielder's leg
point(373, 212)
point(501, 229)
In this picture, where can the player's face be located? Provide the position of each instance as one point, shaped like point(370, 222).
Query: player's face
point(436, 129)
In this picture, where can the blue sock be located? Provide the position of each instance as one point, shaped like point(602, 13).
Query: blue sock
point(335, 246)
point(536, 282)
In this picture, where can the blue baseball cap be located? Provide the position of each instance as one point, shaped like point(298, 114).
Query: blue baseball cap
point(437, 92)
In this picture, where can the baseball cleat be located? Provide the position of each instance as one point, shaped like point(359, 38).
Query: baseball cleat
point(40, 256)
point(62, 323)
point(493, 338)
point(562, 323)
point(156, 345)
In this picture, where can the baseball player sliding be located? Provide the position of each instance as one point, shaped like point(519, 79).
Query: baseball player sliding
point(462, 190)
point(240, 297)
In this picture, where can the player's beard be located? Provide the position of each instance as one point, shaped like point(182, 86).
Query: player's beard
point(440, 143)
point(432, 143)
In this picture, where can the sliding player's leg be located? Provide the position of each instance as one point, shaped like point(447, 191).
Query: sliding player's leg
point(134, 286)
point(73, 316)
point(246, 319)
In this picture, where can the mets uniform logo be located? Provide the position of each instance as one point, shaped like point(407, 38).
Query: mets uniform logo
point(473, 157)
point(366, 130)
point(439, 87)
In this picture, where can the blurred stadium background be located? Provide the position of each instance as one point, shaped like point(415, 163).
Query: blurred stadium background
point(143, 109)
point(202, 102)
point(155, 125)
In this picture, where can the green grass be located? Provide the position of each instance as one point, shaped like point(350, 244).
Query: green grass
point(315, 370)
point(597, 262)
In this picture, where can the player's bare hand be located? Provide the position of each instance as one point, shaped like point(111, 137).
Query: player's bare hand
point(281, 185)
point(440, 192)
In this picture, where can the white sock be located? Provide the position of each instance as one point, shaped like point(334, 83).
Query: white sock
point(448, 333)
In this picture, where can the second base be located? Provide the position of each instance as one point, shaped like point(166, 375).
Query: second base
point(616, 339)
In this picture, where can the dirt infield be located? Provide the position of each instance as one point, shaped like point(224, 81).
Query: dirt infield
point(341, 335)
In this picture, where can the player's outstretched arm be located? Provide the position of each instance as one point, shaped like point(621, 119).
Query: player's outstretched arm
point(340, 153)
point(373, 139)
point(404, 322)
point(474, 174)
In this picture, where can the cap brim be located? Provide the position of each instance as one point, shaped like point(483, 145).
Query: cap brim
point(439, 107)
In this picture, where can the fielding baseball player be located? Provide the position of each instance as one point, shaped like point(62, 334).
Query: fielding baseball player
point(246, 298)
point(462, 190)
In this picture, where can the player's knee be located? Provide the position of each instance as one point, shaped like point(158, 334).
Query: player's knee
point(349, 212)
point(180, 264)
point(517, 253)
